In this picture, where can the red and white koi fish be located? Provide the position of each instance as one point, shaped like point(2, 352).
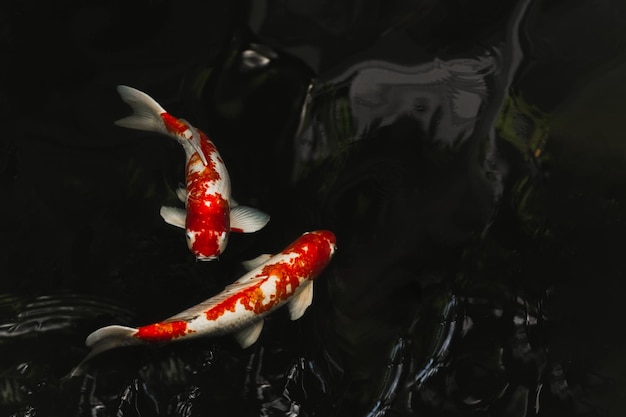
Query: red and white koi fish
point(284, 278)
point(211, 214)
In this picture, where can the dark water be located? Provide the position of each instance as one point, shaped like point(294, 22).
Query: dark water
point(469, 156)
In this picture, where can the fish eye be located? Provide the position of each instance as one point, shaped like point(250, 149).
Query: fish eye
point(189, 235)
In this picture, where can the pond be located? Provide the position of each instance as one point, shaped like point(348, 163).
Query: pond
point(469, 157)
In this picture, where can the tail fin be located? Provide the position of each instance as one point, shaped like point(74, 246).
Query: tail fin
point(107, 338)
point(109, 334)
point(146, 111)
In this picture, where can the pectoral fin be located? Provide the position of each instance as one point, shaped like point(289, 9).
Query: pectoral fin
point(302, 300)
point(174, 216)
point(258, 261)
point(248, 335)
point(181, 193)
point(247, 219)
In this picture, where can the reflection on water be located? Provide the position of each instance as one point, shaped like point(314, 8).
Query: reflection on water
point(444, 97)
point(416, 141)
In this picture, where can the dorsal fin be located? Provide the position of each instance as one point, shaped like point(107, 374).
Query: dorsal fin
point(195, 140)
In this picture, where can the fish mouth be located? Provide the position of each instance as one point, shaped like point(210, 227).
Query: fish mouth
point(205, 258)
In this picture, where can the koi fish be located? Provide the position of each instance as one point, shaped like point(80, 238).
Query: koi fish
point(211, 213)
point(272, 281)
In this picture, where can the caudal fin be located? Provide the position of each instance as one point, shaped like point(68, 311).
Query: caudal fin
point(109, 334)
point(148, 115)
point(107, 338)
point(146, 111)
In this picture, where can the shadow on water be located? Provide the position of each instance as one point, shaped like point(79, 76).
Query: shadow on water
point(467, 155)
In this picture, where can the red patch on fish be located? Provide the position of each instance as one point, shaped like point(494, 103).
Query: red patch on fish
point(208, 214)
point(209, 219)
point(172, 124)
point(163, 332)
point(313, 254)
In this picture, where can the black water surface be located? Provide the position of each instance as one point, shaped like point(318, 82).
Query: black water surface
point(469, 155)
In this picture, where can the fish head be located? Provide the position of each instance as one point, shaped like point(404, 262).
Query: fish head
point(328, 237)
point(207, 245)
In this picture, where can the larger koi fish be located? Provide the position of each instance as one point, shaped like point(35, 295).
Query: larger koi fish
point(211, 214)
point(284, 278)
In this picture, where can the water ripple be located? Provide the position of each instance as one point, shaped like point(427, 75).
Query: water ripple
point(24, 316)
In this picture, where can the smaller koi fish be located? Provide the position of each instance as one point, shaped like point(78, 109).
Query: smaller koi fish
point(273, 281)
point(211, 213)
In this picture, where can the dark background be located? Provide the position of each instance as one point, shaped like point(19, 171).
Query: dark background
point(475, 275)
